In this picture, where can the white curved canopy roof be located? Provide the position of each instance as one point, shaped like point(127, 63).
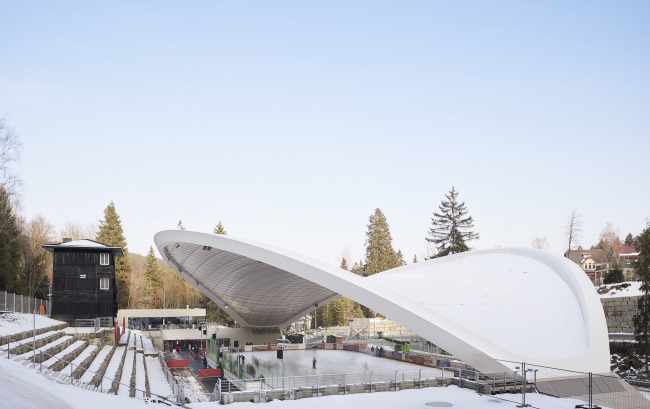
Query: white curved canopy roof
point(509, 304)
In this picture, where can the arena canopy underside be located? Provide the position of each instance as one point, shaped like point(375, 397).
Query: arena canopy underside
point(484, 307)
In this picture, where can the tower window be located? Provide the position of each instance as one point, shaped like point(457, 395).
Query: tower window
point(104, 284)
point(104, 259)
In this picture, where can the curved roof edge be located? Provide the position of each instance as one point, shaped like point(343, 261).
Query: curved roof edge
point(462, 342)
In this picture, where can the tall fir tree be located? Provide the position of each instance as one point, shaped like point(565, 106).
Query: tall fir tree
point(415, 258)
point(642, 318)
point(451, 229)
point(111, 234)
point(380, 255)
point(153, 278)
point(219, 229)
point(10, 248)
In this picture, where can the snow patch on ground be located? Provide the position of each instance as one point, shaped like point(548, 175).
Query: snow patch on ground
point(13, 322)
point(125, 382)
point(96, 363)
point(158, 384)
point(626, 289)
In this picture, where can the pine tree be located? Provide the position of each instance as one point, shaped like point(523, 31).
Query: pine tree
point(642, 318)
point(219, 229)
point(10, 249)
point(451, 229)
point(111, 234)
point(180, 225)
point(153, 278)
point(629, 240)
point(357, 268)
point(344, 264)
point(400, 258)
point(380, 255)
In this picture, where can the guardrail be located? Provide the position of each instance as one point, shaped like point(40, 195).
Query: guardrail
point(10, 302)
point(95, 323)
point(298, 387)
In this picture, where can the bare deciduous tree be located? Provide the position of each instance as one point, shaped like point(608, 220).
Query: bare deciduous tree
point(9, 153)
point(609, 237)
point(573, 230)
point(36, 271)
point(541, 243)
point(77, 231)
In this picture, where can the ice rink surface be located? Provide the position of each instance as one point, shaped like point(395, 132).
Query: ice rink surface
point(327, 362)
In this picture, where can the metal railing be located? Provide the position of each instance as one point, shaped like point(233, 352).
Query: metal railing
point(545, 387)
point(95, 323)
point(10, 302)
point(297, 387)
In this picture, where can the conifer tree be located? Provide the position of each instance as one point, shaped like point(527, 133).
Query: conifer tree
point(451, 229)
point(10, 249)
point(344, 264)
point(357, 268)
point(153, 277)
point(642, 318)
point(380, 255)
point(415, 258)
point(400, 258)
point(180, 225)
point(111, 234)
point(219, 229)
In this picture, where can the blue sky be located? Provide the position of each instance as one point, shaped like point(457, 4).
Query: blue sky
point(292, 121)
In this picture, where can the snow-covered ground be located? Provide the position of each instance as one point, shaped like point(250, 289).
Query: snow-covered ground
point(139, 376)
point(28, 340)
point(408, 399)
point(13, 323)
point(83, 355)
point(114, 365)
point(44, 348)
point(299, 362)
point(56, 358)
point(24, 388)
point(94, 366)
point(125, 382)
point(158, 384)
point(626, 289)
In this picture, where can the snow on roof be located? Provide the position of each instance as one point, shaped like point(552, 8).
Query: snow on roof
point(83, 243)
point(626, 251)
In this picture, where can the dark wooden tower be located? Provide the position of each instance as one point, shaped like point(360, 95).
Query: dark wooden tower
point(83, 280)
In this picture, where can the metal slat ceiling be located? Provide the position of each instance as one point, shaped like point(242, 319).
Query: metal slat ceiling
point(263, 295)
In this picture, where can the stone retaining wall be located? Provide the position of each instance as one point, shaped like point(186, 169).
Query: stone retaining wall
point(619, 313)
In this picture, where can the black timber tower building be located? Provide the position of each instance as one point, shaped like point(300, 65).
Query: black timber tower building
point(83, 280)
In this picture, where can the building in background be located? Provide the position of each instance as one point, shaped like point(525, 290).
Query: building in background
point(593, 262)
point(83, 280)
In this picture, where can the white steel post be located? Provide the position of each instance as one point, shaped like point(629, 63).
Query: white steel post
point(34, 335)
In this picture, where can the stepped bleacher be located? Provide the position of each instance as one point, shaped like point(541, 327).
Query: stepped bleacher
point(131, 368)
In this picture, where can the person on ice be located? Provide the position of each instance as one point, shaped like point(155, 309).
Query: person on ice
point(314, 363)
point(372, 350)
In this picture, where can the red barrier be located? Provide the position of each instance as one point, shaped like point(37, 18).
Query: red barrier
point(202, 353)
point(207, 373)
point(178, 363)
point(192, 354)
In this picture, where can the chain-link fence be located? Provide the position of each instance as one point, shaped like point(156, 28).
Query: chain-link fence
point(10, 302)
